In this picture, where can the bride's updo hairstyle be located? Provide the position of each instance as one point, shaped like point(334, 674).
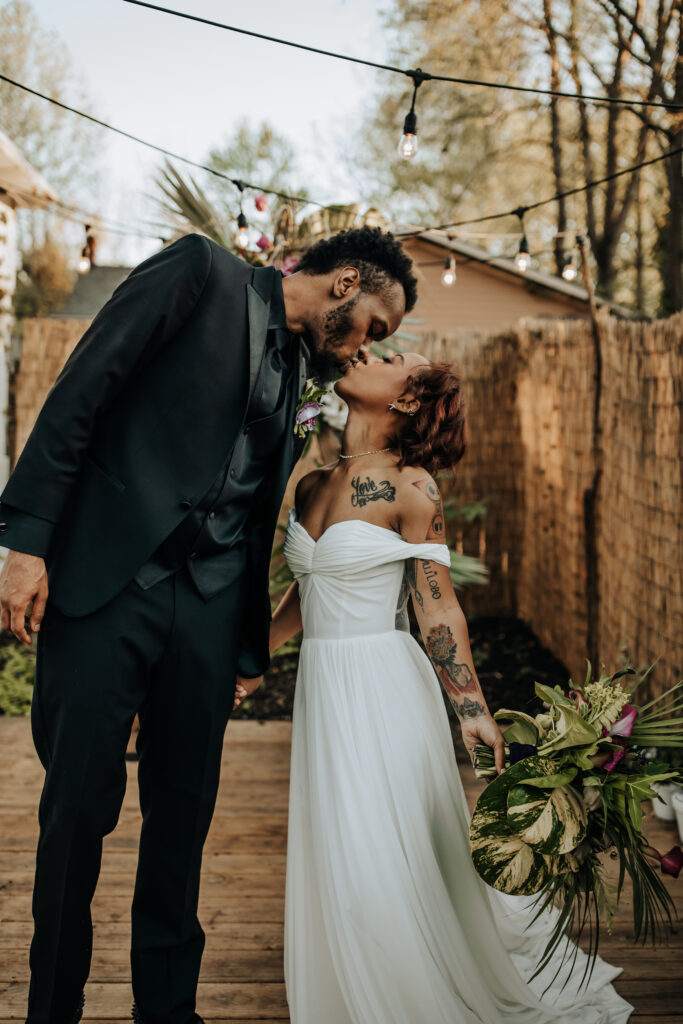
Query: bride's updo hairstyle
point(436, 436)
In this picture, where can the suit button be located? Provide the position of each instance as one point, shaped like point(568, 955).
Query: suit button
point(193, 554)
point(232, 472)
point(186, 504)
point(3, 527)
point(212, 515)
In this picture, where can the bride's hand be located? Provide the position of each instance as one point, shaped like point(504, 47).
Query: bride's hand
point(245, 688)
point(484, 729)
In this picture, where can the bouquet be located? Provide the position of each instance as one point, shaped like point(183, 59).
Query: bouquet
point(574, 779)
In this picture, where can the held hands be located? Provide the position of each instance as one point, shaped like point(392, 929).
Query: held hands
point(484, 729)
point(245, 688)
point(23, 579)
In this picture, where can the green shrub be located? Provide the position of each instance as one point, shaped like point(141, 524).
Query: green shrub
point(17, 671)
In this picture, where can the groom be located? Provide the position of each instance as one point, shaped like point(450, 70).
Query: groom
point(140, 518)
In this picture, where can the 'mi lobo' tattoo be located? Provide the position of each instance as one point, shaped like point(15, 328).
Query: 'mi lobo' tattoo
point(432, 579)
point(430, 576)
point(436, 529)
point(368, 490)
point(456, 677)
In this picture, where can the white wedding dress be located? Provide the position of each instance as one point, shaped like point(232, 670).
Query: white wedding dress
point(386, 919)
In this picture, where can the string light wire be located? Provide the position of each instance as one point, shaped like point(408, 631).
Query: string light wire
point(521, 210)
point(241, 185)
point(237, 182)
point(401, 71)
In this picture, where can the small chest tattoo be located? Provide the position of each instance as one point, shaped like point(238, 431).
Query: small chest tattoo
point(368, 490)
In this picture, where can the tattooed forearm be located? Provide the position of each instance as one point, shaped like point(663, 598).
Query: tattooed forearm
point(432, 579)
point(456, 677)
point(436, 529)
point(368, 490)
point(470, 708)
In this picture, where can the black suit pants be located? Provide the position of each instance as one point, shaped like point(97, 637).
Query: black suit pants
point(170, 656)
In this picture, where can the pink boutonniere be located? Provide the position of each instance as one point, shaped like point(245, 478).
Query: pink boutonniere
point(307, 410)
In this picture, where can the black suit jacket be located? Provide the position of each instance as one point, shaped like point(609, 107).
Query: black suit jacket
point(139, 422)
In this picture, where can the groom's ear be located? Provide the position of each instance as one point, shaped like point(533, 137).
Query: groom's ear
point(345, 279)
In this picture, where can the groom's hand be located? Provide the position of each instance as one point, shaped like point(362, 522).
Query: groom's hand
point(245, 688)
point(23, 579)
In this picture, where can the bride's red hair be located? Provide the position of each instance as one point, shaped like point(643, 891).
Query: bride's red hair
point(436, 436)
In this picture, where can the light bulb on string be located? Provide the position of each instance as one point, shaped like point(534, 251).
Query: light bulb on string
point(407, 147)
point(522, 258)
point(242, 234)
point(87, 252)
point(569, 269)
point(448, 275)
point(84, 262)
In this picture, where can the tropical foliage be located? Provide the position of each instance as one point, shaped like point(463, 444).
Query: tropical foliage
point(575, 777)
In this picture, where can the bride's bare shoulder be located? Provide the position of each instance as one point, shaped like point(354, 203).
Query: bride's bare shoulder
point(308, 484)
point(420, 505)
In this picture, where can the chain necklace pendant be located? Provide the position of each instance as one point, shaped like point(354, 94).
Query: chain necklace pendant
point(374, 451)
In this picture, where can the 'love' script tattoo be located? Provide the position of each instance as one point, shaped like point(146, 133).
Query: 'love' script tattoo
point(368, 490)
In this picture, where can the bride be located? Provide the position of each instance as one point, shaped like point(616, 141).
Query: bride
point(386, 919)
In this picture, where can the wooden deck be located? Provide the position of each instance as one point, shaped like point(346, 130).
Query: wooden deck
point(242, 894)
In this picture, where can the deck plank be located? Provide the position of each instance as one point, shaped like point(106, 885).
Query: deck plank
point(242, 891)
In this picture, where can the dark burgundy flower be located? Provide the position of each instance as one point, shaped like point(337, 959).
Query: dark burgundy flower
point(672, 862)
point(624, 724)
point(616, 757)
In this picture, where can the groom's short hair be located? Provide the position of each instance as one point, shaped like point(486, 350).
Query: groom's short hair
point(376, 253)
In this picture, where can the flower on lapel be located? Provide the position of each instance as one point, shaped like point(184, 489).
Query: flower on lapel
point(307, 410)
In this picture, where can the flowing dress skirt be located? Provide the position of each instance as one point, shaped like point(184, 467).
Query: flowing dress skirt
point(386, 919)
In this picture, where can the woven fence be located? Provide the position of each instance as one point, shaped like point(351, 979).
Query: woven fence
point(47, 343)
point(575, 445)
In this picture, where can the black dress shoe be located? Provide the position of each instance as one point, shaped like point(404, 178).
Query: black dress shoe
point(139, 1019)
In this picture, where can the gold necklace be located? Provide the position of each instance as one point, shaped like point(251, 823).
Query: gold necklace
point(374, 451)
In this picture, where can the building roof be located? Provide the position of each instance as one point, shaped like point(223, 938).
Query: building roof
point(533, 279)
point(92, 290)
point(20, 183)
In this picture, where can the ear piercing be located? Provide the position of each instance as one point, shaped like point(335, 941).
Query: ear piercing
point(411, 412)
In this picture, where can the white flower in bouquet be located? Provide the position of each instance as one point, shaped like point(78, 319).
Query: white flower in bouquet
point(606, 702)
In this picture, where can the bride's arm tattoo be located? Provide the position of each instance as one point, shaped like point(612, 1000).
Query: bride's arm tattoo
point(456, 677)
point(431, 579)
point(369, 490)
point(436, 529)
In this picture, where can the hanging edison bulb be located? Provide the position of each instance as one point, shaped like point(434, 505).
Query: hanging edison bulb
point(448, 274)
point(569, 269)
point(87, 252)
point(522, 260)
point(242, 234)
point(407, 147)
point(84, 262)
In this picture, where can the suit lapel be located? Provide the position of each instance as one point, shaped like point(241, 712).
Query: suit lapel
point(258, 308)
point(259, 291)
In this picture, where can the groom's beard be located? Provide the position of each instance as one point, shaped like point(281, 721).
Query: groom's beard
point(327, 334)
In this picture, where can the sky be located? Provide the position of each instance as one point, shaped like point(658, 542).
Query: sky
point(184, 85)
